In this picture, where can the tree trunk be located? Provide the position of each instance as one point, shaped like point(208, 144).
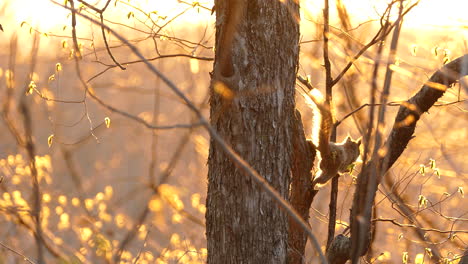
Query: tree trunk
point(252, 108)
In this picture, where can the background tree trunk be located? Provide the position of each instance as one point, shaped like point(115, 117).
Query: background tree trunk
point(252, 108)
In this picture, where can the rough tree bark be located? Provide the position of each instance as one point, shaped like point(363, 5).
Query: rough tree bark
point(252, 108)
point(301, 193)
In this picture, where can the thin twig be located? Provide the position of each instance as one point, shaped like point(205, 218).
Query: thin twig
point(380, 35)
point(20, 219)
point(75, 41)
point(326, 58)
point(395, 222)
point(101, 16)
point(10, 80)
point(408, 213)
point(24, 108)
point(375, 169)
point(143, 246)
point(150, 59)
point(156, 192)
point(107, 44)
point(329, 104)
point(17, 253)
point(141, 120)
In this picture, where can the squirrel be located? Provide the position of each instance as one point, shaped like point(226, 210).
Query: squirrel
point(334, 157)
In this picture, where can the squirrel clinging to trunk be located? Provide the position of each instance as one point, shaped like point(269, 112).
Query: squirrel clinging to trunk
point(334, 157)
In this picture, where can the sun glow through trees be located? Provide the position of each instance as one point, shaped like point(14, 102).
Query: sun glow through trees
point(47, 15)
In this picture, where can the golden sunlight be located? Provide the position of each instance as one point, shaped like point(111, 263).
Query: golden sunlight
point(40, 14)
point(428, 13)
point(46, 16)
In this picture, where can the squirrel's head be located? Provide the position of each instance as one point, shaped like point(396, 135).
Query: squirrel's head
point(349, 140)
point(352, 146)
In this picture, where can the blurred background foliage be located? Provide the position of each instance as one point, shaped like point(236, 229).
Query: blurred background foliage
point(123, 177)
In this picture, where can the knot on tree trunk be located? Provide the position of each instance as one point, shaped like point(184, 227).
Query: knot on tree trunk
point(339, 250)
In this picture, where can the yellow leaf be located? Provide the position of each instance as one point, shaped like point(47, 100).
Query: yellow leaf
point(460, 190)
point(419, 259)
point(397, 61)
point(49, 140)
point(429, 252)
point(447, 52)
point(422, 201)
point(453, 236)
point(422, 169)
point(52, 78)
point(405, 257)
point(446, 60)
point(31, 87)
point(58, 67)
point(107, 121)
point(414, 49)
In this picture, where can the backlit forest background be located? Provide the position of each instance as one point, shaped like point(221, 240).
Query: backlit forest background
point(121, 161)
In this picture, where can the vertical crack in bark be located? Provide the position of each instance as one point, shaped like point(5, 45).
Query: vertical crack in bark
point(301, 194)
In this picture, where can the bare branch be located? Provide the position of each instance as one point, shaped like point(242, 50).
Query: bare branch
point(360, 230)
point(403, 130)
point(75, 41)
point(379, 36)
point(395, 222)
point(17, 253)
point(24, 108)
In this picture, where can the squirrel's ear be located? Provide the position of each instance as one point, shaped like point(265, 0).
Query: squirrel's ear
point(359, 141)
